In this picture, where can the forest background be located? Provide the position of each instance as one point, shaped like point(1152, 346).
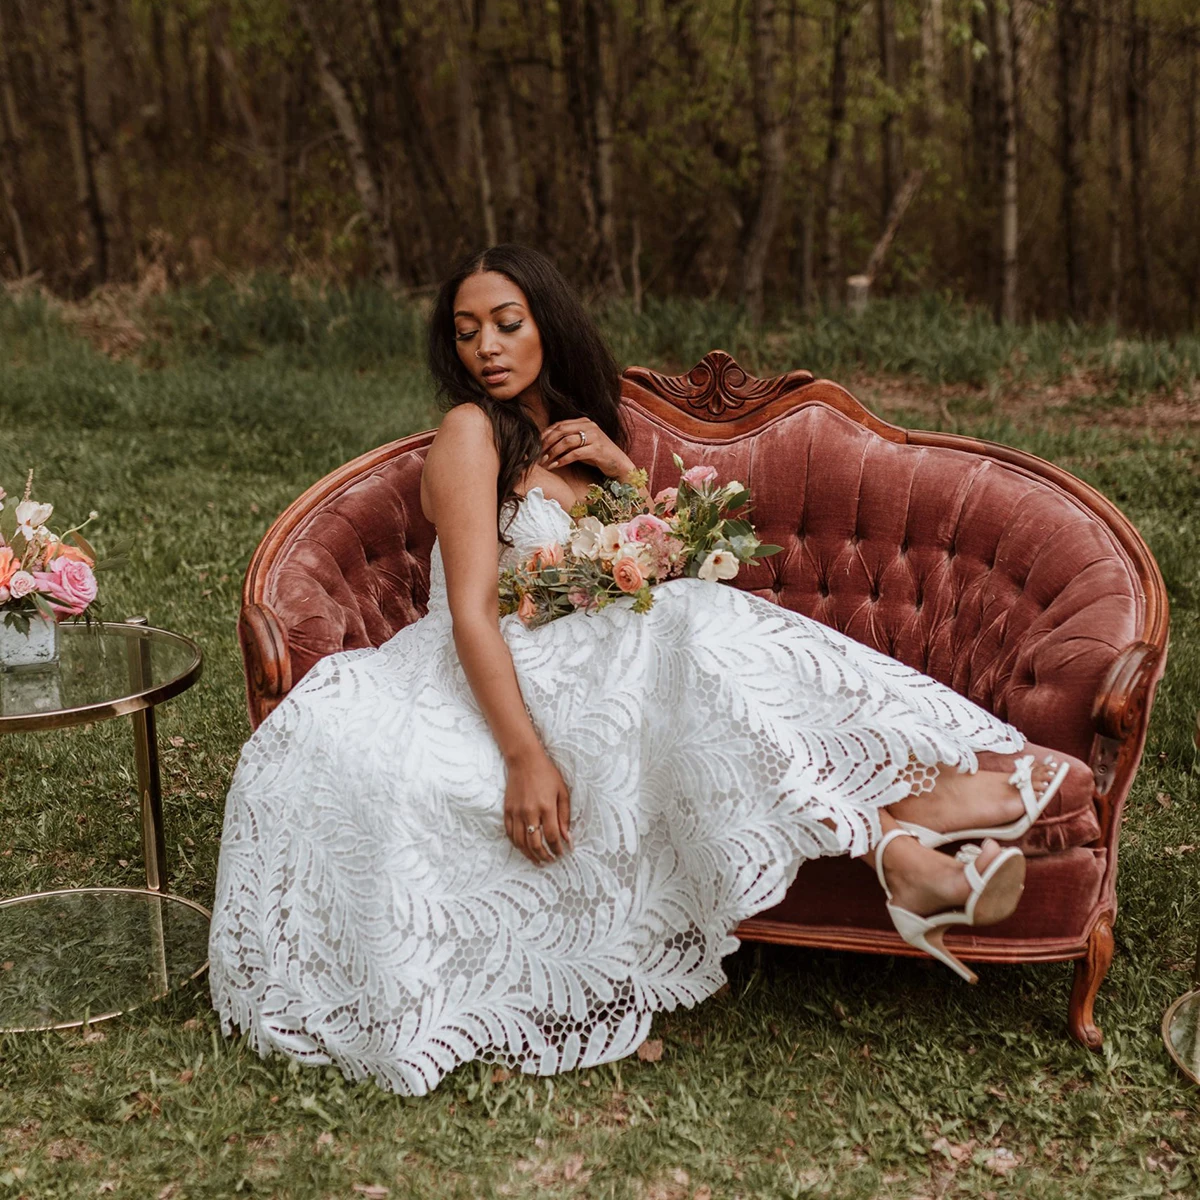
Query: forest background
point(753, 151)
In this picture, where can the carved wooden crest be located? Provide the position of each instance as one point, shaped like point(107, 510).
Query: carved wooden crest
point(716, 388)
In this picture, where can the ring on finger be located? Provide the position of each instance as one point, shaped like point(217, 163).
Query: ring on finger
point(582, 438)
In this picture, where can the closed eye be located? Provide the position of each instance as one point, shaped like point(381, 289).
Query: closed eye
point(510, 328)
point(464, 337)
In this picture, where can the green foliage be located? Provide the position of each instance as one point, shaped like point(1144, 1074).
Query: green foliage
point(816, 1074)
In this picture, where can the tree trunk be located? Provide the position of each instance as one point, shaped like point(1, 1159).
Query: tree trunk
point(1135, 83)
point(835, 168)
point(164, 124)
point(1006, 306)
point(1116, 182)
point(191, 92)
point(471, 80)
point(384, 251)
point(889, 125)
point(932, 55)
point(12, 177)
point(430, 184)
point(1070, 25)
point(1191, 187)
point(72, 89)
point(598, 18)
point(218, 41)
point(768, 130)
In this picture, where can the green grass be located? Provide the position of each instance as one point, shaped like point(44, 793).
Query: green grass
point(815, 1074)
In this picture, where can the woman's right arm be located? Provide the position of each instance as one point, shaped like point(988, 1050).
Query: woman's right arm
point(458, 490)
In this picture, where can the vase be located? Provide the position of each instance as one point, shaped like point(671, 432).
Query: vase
point(37, 647)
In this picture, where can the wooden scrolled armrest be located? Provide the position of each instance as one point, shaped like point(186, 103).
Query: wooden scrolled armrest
point(268, 662)
point(1120, 708)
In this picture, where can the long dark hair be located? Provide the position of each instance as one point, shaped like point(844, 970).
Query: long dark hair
point(579, 376)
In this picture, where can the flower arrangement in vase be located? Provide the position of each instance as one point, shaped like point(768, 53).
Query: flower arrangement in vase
point(43, 577)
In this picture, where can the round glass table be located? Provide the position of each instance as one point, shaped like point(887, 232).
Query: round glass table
point(79, 955)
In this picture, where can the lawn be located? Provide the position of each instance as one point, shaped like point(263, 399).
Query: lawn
point(190, 421)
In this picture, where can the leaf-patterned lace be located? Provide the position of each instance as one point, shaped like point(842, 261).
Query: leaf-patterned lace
point(370, 911)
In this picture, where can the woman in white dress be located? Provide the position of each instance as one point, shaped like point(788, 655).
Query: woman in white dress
point(483, 841)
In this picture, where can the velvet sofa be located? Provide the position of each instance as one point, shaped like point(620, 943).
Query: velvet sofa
point(985, 567)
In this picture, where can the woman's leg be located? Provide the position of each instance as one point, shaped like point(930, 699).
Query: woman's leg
point(972, 801)
point(923, 880)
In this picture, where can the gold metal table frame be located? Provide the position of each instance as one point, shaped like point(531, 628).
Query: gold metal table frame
point(174, 925)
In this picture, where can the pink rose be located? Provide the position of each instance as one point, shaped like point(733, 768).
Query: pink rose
point(21, 584)
point(579, 598)
point(645, 528)
point(70, 582)
point(547, 556)
point(628, 575)
point(667, 499)
point(526, 609)
point(698, 476)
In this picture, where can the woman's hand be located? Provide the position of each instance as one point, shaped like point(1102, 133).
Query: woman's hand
point(562, 444)
point(536, 796)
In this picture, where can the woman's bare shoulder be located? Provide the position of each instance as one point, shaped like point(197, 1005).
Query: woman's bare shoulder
point(464, 448)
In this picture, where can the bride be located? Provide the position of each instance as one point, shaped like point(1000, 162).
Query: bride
point(483, 841)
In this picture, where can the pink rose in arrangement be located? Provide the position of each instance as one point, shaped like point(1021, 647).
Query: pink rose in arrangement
point(526, 610)
point(69, 582)
point(579, 598)
point(645, 528)
point(628, 575)
point(547, 556)
point(667, 498)
point(699, 475)
point(20, 584)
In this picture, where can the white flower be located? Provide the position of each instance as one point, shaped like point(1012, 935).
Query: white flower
point(720, 564)
point(733, 487)
point(610, 541)
point(585, 539)
point(31, 514)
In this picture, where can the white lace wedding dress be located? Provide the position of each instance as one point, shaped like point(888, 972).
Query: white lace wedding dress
point(371, 912)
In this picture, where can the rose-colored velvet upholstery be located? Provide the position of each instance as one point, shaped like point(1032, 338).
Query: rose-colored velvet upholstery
point(963, 561)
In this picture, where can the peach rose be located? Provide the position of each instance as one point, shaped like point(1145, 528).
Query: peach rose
point(69, 582)
point(627, 575)
point(547, 556)
point(66, 550)
point(526, 609)
point(699, 475)
point(8, 565)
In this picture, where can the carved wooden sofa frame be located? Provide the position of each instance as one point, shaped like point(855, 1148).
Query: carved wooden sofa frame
point(986, 567)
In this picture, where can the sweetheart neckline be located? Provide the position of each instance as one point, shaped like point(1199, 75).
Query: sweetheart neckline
point(537, 487)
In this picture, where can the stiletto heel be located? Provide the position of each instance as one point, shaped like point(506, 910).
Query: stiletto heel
point(1035, 804)
point(995, 894)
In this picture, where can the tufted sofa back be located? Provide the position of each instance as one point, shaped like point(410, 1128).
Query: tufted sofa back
point(984, 573)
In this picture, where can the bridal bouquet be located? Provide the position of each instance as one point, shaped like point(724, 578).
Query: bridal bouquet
point(42, 573)
point(621, 543)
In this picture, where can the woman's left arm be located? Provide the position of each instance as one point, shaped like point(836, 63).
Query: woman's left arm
point(581, 440)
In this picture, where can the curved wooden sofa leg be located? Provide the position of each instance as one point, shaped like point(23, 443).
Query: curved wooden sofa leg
point(1089, 975)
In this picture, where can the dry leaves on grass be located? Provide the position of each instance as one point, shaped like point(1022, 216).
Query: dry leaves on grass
point(373, 1191)
point(1001, 1161)
point(651, 1050)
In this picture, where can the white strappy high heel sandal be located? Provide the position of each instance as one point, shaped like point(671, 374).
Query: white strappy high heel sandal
point(994, 895)
point(1035, 803)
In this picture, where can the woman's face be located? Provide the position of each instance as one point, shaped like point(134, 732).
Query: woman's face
point(498, 341)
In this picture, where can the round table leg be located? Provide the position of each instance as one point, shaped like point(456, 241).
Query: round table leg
point(145, 742)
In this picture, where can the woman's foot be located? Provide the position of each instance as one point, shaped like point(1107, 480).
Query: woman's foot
point(979, 886)
point(926, 881)
point(985, 801)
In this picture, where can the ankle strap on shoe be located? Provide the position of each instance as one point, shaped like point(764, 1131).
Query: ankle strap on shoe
point(880, 846)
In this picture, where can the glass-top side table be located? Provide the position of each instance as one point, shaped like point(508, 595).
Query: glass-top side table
point(80, 955)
